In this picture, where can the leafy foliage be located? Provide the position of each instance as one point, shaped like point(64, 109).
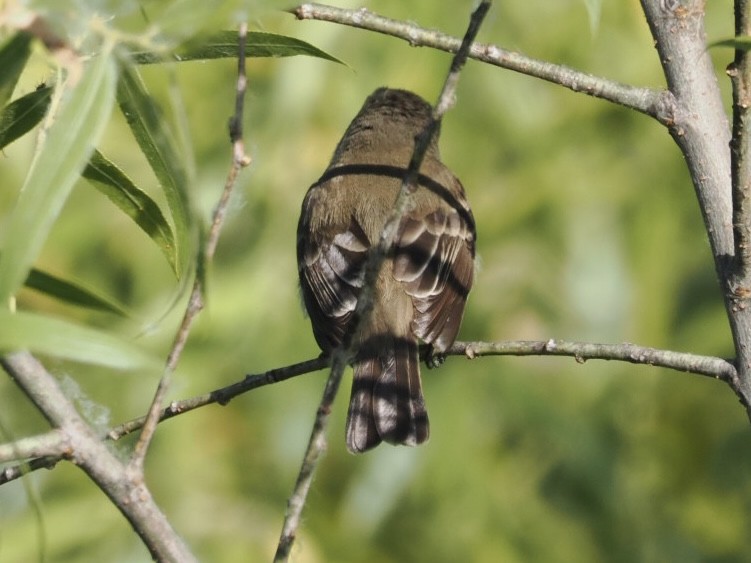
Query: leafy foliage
point(160, 149)
point(61, 155)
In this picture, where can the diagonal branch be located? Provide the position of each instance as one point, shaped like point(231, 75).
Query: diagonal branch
point(195, 303)
point(709, 366)
point(701, 131)
point(343, 355)
point(85, 447)
point(224, 395)
point(655, 103)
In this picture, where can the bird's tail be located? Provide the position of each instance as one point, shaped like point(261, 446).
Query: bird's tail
point(387, 402)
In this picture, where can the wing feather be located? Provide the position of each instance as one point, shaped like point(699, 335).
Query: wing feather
point(434, 258)
point(331, 278)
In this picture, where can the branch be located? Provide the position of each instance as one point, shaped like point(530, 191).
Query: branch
point(220, 396)
point(708, 366)
point(740, 75)
point(699, 125)
point(85, 448)
point(739, 274)
point(223, 395)
point(195, 303)
point(53, 443)
point(655, 103)
point(701, 131)
point(14, 472)
point(345, 352)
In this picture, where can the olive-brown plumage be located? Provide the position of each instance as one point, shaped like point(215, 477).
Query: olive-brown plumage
point(423, 284)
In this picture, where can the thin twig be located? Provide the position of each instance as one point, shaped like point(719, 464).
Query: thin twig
point(223, 395)
point(652, 102)
point(343, 355)
point(13, 472)
point(195, 304)
point(709, 366)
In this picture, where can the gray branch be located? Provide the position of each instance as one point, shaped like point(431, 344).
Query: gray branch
point(582, 351)
point(52, 443)
point(700, 129)
point(240, 160)
point(740, 76)
point(654, 103)
point(86, 449)
point(708, 366)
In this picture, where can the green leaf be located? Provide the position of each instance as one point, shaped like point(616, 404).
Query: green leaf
point(22, 115)
point(13, 56)
point(742, 43)
point(26, 112)
point(594, 11)
point(62, 339)
point(224, 44)
point(106, 177)
point(72, 292)
point(61, 156)
point(160, 149)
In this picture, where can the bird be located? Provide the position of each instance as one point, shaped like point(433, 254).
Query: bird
point(422, 287)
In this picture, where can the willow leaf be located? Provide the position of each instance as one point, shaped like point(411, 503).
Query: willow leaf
point(224, 45)
point(106, 177)
point(62, 339)
point(58, 162)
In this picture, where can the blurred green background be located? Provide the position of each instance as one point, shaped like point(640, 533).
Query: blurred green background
point(588, 229)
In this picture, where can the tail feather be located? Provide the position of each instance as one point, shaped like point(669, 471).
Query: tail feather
point(387, 403)
point(362, 433)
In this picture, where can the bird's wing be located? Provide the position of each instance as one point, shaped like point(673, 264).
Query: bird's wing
point(331, 276)
point(434, 258)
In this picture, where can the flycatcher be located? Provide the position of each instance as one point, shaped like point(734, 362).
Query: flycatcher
point(423, 284)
